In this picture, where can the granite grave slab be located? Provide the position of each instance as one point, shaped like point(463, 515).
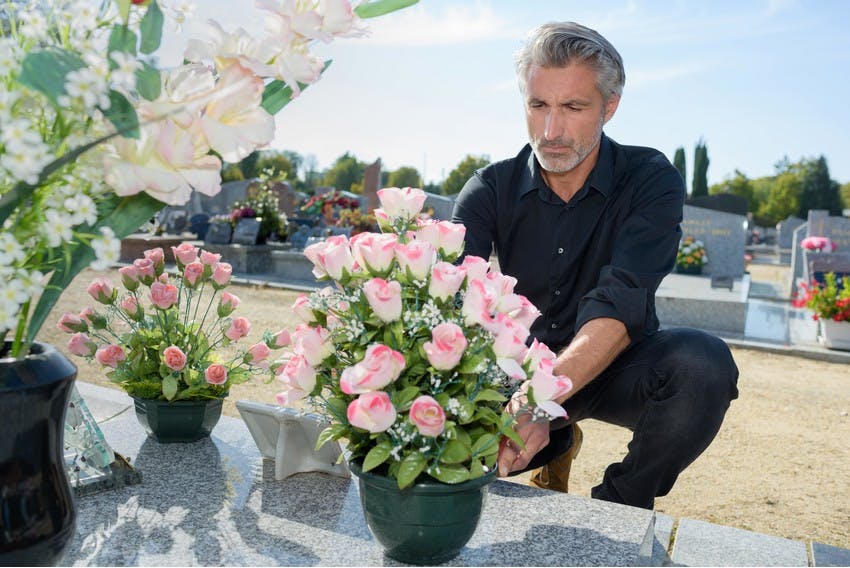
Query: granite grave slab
point(724, 236)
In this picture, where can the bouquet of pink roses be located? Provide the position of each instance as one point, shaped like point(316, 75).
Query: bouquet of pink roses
point(413, 357)
point(162, 337)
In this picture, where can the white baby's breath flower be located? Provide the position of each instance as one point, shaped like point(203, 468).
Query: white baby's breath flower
point(88, 86)
point(11, 250)
point(182, 10)
point(8, 316)
point(25, 162)
point(83, 16)
point(124, 75)
point(107, 249)
point(82, 209)
point(19, 133)
point(33, 282)
point(14, 292)
point(33, 24)
point(58, 227)
point(8, 61)
point(7, 100)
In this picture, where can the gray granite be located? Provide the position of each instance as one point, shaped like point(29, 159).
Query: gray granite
point(785, 231)
point(724, 236)
point(442, 206)
point(837, 229)
point(249, 259)
point(798, 264)
point(699, 543)
point(661, 541)
point(215, 502)
point(293, 266)
point(690, 301)
point(826, 555)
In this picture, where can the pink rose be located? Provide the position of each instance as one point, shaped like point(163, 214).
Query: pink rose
point(331, 257)
point(163, 296)
point(478, 303)
point(536, 353)
point(185, 254)
point(145, 271)
point(280, 339)
point(374, 252)
point(174, 358)
point(257, 354)
point(298, 378)
point(313, 254)
point(110, 355)
point(447, 237)
point(101, 290)
point(129, 277)
point(155, 255)
point(216, 374)
point(86, 314)
point(372, 411)
point(446, 347)
point(70, 323)
point(446, 280)
point(510, 336)
point(417, 257)
point(209, 258)
point(81, 345)
point(227, 303)
point(192, 273)
point(221, 274)
point(819, 244)
point(527, 312)
point(383, 220)
point(547, 388)
point(337, 17)
point(379, 367)
point(384, 298)
point(476, 267)
point(303, 310)
point(403, 203)
point(314, 343)
point(428, 416)
point(239, 328)
point(131, 307)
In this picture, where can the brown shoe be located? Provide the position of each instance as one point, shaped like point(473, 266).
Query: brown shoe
point(555, 475)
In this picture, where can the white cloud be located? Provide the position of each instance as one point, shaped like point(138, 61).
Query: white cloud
point(419, 26)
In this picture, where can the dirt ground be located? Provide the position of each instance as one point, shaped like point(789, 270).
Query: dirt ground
point(778, 466)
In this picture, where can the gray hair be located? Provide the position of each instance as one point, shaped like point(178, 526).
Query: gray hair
point(560, 44)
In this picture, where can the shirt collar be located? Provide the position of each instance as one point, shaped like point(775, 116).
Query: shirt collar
point(600, 177)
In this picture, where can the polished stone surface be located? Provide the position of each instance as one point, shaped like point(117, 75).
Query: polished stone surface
point(826, 555)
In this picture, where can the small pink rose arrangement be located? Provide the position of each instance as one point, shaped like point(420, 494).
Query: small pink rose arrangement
point(818, 244)
point(161, 337)
point(411, 354)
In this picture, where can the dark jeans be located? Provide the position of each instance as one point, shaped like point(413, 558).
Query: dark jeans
point(672, 390)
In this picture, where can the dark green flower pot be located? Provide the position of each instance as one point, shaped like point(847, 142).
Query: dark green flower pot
point(689, 269)
point(179, 421)
point(426, 524)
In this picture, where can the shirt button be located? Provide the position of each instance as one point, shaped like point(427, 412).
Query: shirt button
point(555, 325)
point(560, 250)
point(557, 292)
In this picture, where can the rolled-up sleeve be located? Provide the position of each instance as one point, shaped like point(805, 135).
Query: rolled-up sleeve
point(644, 253)
point(475, 209)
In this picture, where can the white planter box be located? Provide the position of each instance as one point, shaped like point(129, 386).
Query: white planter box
point(835, 334)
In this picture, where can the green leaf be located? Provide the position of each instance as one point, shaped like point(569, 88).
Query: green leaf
point(377, 8)
point(337, 408)
point(278, 94)
point(470, 364)
point(169, 386)
point(123, 9)
point(411, 466)
point(151, 29)
point(403, 399)
point(122, 39)
point(148, 82)
point(332, 432)
point(476, 469)
point(489, 394)
point(377, 455)
point(122, 115)
point(485, 445)
point(45, 70)
point(487, 416)
point(450, 473)
point(455, 451)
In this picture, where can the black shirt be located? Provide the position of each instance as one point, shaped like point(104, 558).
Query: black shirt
point(603, 254)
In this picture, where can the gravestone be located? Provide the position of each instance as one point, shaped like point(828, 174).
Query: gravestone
point(218, 234)
point(798, 265)
point(285, 197)
point(441, 205)
point(726, 202)
point(724, 236)
point(836, 229)
point(247, 231)
point(785, 231)
point(371, 185)
point(198, 224)
point(231, 192)
point(176, 221)
point(819, 263)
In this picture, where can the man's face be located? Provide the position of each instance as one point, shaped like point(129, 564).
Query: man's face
point(565, 114)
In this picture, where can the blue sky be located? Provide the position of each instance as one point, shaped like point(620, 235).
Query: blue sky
point(758, 80)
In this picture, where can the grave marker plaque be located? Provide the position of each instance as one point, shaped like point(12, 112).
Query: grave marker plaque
point(724, 236)
point(218, 234)
point(247, 231)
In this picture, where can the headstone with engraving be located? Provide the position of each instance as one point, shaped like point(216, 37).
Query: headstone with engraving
point(371, 184)
point(836, 229)
point(441, 206)
point(247, 231)
point(724, 236)
point(785, 231)
point(218, 234)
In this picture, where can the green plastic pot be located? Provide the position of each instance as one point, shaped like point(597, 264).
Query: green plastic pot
point(179, 421)
point(427, 523)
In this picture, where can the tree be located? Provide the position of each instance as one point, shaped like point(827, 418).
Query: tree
point(231, 172)
point(700, 182)
point(783, 199)
point(345, 173)
point(277, 164)
point(740, 185)
point(679, 163)
point(405, 176)
point(845, 195)
point(461, 174)
point(248, 165)
point(818, 190)
point(309, 171)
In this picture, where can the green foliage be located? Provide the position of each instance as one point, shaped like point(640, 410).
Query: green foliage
point(700, 181)
point(845, 195)
point(231, 172)
point(276, 165)
point(679, 163)
point(374, 8)
point(829, 301)
point(248, 165)
point(461, 174)
point(817, 189)
point(345, 172)
point(738, 184)
point(691, 253)
point(405, 176)
point(783, 199)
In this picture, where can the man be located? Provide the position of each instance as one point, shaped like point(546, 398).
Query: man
point(590, 228)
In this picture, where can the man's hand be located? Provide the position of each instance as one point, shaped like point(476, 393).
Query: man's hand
point(535, 435)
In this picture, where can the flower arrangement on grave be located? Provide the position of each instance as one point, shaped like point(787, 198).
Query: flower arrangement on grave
point(163, 336)
point(359, 221)
point(691, 254)
point(263, 206)
point(95, 139)
point(829, 300)
point(329, 206)
point(818, 244)
point(412, 357)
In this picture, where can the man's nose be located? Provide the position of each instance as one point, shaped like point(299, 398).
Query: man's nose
point(554, 125)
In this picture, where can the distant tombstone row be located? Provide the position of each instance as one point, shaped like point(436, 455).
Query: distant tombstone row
point(724, 236)
point(808, 266)
point(785, 231)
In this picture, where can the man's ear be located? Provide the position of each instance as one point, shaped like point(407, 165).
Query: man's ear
point(611, 107)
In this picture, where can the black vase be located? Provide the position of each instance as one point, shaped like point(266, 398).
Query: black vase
point(37, 511)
